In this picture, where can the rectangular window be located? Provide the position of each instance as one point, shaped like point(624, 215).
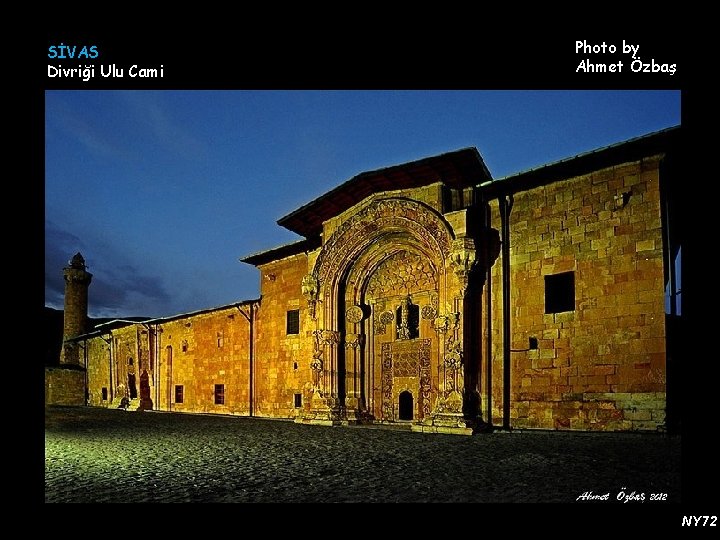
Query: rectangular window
point(293, 321)
point(220, 339)
point(104, 394)
point(179, 393)
point(219, 394)
point(298, 401)
point(560, 292)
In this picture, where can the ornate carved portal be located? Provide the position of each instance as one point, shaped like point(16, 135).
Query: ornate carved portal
point(406, 368)
point(386, 292)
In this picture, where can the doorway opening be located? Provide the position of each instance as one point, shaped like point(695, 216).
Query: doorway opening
point(405, 406)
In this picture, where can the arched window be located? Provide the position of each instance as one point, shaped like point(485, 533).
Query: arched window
point(407, 318)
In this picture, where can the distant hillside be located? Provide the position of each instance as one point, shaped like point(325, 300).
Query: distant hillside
point(53, 332)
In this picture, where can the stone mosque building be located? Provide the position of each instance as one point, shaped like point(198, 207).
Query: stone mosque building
point(431, 296)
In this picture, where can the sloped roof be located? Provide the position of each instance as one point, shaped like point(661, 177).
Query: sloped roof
point(458, 169)
point(279, 252)
point(655, 143)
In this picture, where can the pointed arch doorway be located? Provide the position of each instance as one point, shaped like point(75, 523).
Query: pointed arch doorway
point(382, 281)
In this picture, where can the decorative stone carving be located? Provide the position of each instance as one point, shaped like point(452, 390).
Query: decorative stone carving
point(326, 337)
point(441, 324)
point(354, 314)
point(428, 312)
point(463, 259)
point(386, 381)
point(402, 271)
point(453, 356)
point(405, 359)
point(425, 384)
point(454, 319)
point(310, 289)
point(453, 402)
point(316, 364)
point(382, 320)
point(423, 223)
point(354, 341)
point(323, 338)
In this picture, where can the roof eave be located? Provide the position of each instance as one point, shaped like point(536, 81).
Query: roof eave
point(656, 143)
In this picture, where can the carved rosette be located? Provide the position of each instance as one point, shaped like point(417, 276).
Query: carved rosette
point(463, 257)
point(382, 320)
point(354, 314)
point(310, 289)
point(317, 364)
point(428, 313)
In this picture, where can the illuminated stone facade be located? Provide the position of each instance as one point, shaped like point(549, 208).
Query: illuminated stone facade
point(394, 309)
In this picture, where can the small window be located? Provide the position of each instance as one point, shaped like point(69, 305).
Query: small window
point(298, 401)
point(560, 292)
point(220, 339)
point(179, 393)
point(219, 394)
point(104, 393)
point(293, 321)
point(413, 322)
point(130, 361)
point(184, 345)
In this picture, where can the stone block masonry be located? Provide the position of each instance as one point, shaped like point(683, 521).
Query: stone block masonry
point(600, 365)
point(391, 309)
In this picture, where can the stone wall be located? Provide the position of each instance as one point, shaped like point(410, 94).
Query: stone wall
point(201, 351)
point(600, 366)
point(196, 352)
point(64, 386)
point(596, 365)
point(282, 360)
point(101, 392)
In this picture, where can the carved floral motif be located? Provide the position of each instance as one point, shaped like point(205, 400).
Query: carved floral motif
point(354, 314)
point(423, 223)
point(428, 312)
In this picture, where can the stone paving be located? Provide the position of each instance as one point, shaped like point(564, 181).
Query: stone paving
point(104, 455)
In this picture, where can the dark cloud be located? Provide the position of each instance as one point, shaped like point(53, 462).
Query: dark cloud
point(118, 288)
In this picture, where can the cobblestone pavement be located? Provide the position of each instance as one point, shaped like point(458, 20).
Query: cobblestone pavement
point(101, 455)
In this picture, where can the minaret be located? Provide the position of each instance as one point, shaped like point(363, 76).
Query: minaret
point(77, 281)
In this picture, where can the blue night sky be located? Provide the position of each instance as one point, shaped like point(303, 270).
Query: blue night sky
point(163, 191)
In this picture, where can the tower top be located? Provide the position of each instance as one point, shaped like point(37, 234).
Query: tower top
point(77, 261)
